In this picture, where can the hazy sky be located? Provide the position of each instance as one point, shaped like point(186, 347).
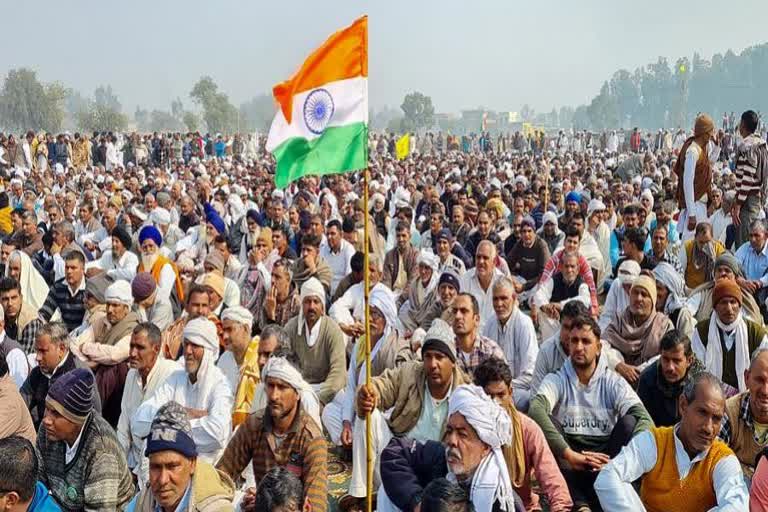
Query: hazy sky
point(499, 54)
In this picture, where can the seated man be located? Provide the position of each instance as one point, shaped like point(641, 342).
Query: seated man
point(286, 433)
point(200, 387)
point(514, 332)
point(148, 307)
point(472, 348)
point(15, 419)
point(67, 295)
point(13, 355)
point(240, 362)
point(163, 270)
point(661, 383)
point(84, 465)
point(617, 299)
point(21, 320)
point(527, 454)
point(445, 249)
point(684, 468)
point(698, 255)
point(470, 453)
point(310, 264)
point(587, 412)
point(148, 370)
point(746, 413)
point(404, 390)
point(726, 267)
point(422, 292)
point(725, 341)
point(636, 332)
point(195, 484)
point(553, 294)
point(281, 302)
point(280, 490)
point(527, 258)
point(318, 342)
point(349, 309)
point(400, 261)
point(754, 261)
point(337, 253)
point(19, 473)
point(119, 262)
point(479, 281)
point(386, 352)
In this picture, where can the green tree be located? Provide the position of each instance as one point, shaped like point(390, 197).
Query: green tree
point(191, 121)
point(603, 110)
point(418, 112)
point(218, 113)
point(103, 113)
point(26, 103)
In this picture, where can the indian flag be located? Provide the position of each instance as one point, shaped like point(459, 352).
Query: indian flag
point(321, 126)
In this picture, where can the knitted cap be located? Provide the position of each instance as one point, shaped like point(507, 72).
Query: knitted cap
point(648, 284)
point(171, 430)
point(142, 286)
point(71, 395)
point(726, 288)
point(215, 281)
point(216, 260)
point(450, 279)
point(440, 337)
point(97, 286)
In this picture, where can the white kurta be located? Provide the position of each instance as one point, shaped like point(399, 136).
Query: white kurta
point(339, 262)
point(124, 268)
point(470, 284)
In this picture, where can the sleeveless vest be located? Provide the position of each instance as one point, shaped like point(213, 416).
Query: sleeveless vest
point(562, 291)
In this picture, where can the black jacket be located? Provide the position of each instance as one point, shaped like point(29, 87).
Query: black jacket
point(408, 466)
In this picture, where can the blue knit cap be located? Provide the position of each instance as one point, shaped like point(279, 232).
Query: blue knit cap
point(71, 395)
point(171, 430)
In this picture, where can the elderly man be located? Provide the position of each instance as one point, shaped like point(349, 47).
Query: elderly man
point(337, 253)
point(386, 348)
point(318, 342)
point(422, 293)
point(724, 342)
point(470, 453)
point(400, 262)
point(178, 479)
point(148, 371)
point(746, 413)
point(163, 270)
point(286, 433)
point(726, 267)
point(118, 262)
point(636, 332)
point(553, 294)
point(200, 387)
point(587, 412)
point(452, 256)
point(240, 362)
point(479, 281)
point(67, 296)
point(515, 333)
point(84, 465)
point(104, 346)
point(684, 468)
point(698, 255)
point(753, 258)
point(417, 392)
point(349, 309)
point(148, 306)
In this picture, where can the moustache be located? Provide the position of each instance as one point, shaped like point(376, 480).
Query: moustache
point(453, 453)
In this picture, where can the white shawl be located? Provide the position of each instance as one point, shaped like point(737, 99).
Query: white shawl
point(713, 353)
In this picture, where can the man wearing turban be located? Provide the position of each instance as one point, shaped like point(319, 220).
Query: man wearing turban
point(163, 270)
point(200, 387)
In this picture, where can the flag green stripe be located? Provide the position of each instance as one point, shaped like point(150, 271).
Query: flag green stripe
point(339, 149)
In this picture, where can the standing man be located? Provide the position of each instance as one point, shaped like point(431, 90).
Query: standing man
point(694, 174)
point(751, 176)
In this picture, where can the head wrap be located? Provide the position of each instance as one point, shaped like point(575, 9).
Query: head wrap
point(142, 286)
point(171, 430)
point(216, 260)
point(119, 292)
point(311, 288)
point(729, 260)
point(548, 217)
point(529, 222)
point(160, 216)
point(202, 332)
point(281, 368)
point(703, 124)
point(215, 281)
point(726, 288)
point(629, 270)
point(121, 234)
point(150, 233)
point(595, 205)
point(71, 395)
point(440, 337)
point(573, 196)
point(96, 287)
point(667, 275)
point(238, 314)
point(428, 258)
point(496, 205)
point(213, 218)
point(647, 284)
point(490, 482)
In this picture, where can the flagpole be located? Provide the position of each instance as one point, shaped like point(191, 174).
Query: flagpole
point(366, 294)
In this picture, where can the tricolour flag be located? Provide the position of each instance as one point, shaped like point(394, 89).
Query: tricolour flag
point(403, 146)
point(321, 126)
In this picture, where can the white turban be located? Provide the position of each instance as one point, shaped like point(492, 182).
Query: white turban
point(119, 292)
point(491, 482)
point(202, 332)
point(238, 314)
point(280, 368)
point(383, 299)
point(160, 216)
point(311, 288)
point(595, 205)
point(428, 258)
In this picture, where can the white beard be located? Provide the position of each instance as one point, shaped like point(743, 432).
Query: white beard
point(148, 261)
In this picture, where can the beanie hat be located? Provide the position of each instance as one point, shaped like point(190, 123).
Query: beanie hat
point(729, 260)
point(450, 279)
point(216, 260)
point(215, 281)
point(171, 430)
point(97, 286)
point(142, 286)
point(121, 234)
point(726, 288)
point(440, 337)
point(648, 284)
point(71, 395)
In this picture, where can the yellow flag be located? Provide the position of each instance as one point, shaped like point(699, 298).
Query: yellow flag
point(403, 146)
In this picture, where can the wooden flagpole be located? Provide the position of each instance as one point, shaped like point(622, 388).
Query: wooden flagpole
point(366, 292)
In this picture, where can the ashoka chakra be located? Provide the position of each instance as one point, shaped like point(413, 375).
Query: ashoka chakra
point(318, 110)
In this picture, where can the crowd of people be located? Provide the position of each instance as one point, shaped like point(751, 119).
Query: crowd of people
point(552, 319)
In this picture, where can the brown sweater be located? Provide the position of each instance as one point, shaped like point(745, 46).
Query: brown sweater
point(326, 362)
point(15, 419)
